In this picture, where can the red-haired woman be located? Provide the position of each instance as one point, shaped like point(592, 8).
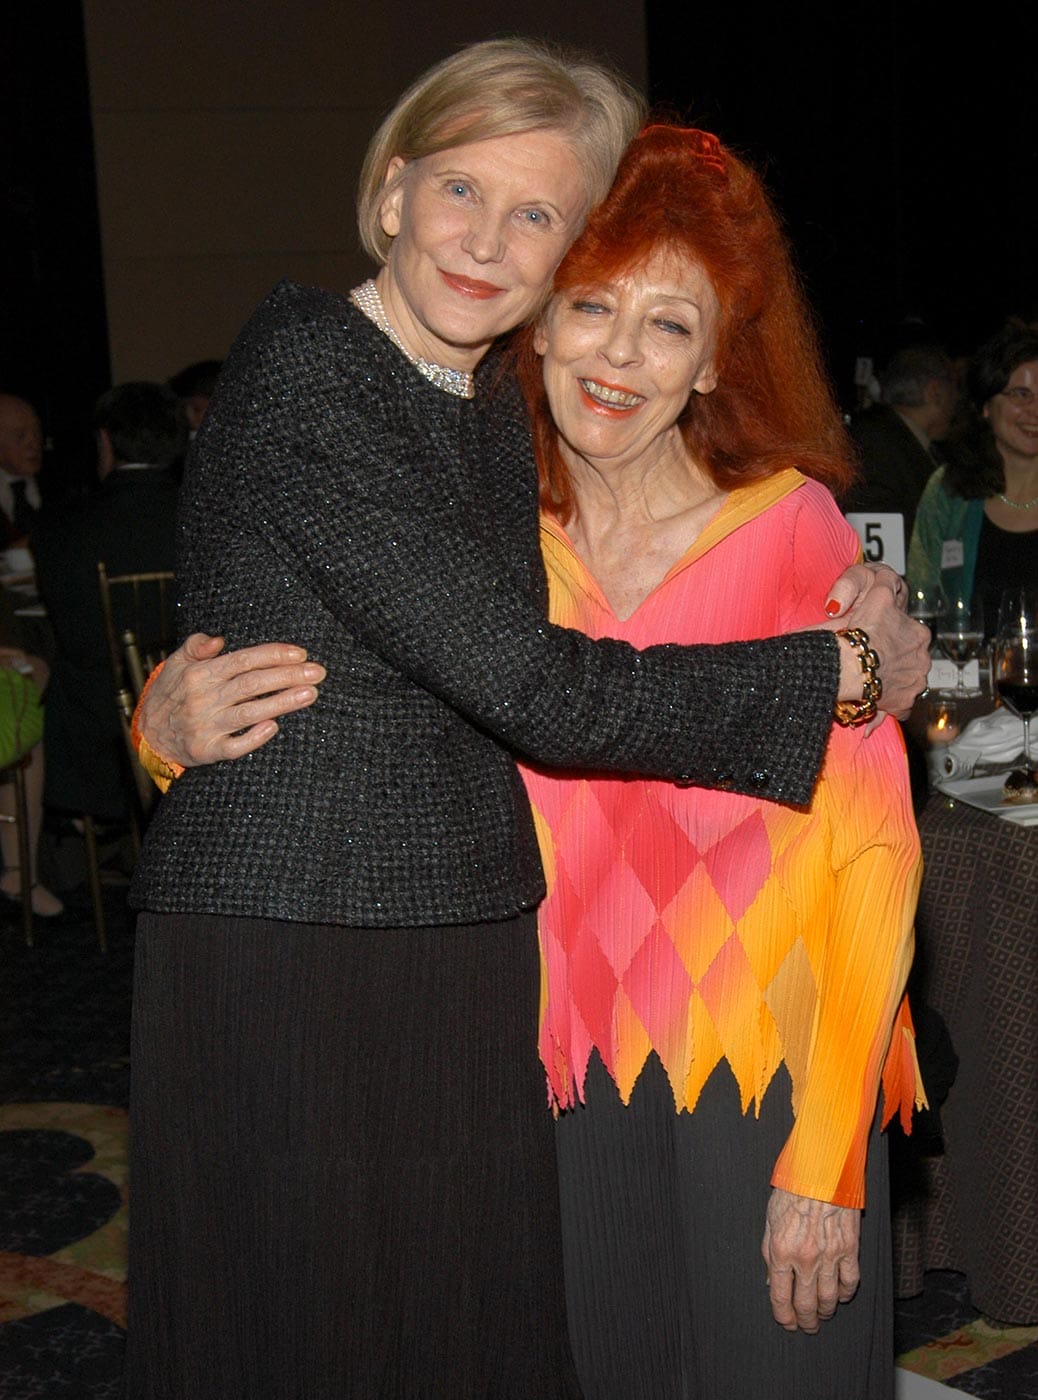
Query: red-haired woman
point(740, 960)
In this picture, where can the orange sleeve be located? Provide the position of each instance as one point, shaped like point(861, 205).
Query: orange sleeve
point(860, 939)
point(862, 1031)
point(162, 771)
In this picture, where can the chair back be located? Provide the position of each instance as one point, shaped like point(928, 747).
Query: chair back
point(140, 629)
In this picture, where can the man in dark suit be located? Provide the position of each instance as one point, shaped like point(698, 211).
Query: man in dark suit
point(895, 438)
point(21, 456)
point(129, 525)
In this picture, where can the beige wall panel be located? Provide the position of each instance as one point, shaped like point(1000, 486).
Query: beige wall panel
point(171, 313)
point(275, 53)
point(227, 182)
point(229, 137)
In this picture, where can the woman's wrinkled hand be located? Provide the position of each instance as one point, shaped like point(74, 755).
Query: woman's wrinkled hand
point(811, 1252)
point(860, 579)
point(874, 598)
point(208, 705)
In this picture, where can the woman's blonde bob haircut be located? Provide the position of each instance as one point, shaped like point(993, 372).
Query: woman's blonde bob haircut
point(501, 88)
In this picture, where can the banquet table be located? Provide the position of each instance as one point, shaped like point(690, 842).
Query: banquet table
point(977, 932)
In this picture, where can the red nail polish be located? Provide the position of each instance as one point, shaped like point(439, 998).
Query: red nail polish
point(832, 608)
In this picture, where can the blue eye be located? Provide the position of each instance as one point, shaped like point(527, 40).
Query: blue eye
point(536, 217)
point(592, 308)
point(673, 327)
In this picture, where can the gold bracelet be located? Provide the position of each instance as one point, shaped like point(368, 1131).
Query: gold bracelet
point(850, 712)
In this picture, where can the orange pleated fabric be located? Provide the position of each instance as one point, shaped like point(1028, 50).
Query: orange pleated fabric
point(706, 925)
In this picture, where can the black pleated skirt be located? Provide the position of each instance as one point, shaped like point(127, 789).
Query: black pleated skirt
point(663, 1217)
point(343, 1178)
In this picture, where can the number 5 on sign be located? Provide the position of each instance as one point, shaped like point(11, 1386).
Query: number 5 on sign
point(882, 538)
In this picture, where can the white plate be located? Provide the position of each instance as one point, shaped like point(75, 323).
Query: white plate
point(986, 793)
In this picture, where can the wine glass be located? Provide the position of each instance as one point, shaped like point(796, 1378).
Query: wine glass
point(1016, 658)
point(926, 605)
point(960, 634)
point(1018, 610)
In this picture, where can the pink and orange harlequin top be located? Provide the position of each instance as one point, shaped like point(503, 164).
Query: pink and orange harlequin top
point(707, 925)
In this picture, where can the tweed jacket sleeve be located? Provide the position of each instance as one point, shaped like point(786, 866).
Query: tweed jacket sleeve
point(388, 531)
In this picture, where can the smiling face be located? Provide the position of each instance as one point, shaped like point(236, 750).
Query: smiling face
point(1013, 414)
point(622, 359)
point(477, 231)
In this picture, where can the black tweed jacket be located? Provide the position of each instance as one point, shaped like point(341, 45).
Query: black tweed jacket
point(336, 499)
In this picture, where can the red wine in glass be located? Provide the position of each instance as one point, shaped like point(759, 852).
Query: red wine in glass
point(1016, 675)
point(1021, 698)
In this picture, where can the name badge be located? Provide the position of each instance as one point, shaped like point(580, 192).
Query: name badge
point(882, 537)
point(952, 554)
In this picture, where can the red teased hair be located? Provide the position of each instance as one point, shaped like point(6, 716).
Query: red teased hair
point(679, 190)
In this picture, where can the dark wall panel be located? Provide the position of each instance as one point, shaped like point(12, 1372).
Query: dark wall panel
point(899, 140)
point(53, 345)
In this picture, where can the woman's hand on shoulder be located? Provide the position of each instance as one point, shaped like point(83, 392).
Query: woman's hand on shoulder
point(874, 598)
point(858, 580)
point(811, 1252)
point(208, 704)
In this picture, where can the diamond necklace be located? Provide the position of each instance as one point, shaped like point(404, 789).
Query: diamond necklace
point(1017, 505)
point(452, 381)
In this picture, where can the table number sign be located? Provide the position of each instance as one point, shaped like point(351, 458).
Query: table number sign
point(882, 537)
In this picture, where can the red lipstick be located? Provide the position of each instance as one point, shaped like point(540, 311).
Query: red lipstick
point(470, 287)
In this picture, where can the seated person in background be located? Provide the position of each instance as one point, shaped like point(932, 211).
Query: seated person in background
point(976, 529)
point(21, 456)
point(128, 524)
point(895, 438)
point(23, 679)
point(194, 387)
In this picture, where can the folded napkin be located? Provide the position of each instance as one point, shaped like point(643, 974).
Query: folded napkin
point(992, 741)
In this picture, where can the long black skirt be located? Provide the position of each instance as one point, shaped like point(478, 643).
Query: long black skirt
point(663, 1217)
point(343, 1178)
